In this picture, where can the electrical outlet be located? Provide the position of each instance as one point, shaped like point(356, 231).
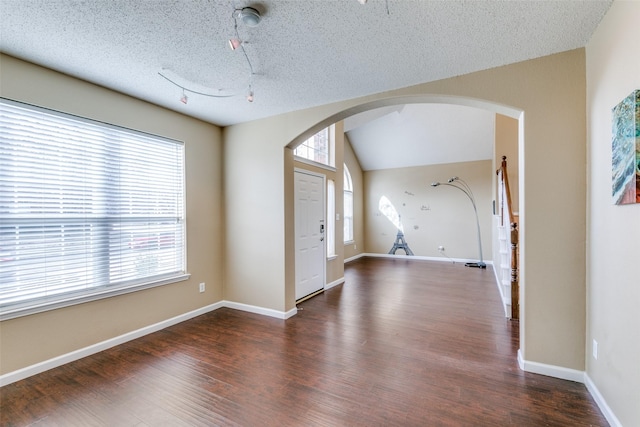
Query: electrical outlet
point(441, 248)
point(355, 247)
point(202, 287)
point(595, 349)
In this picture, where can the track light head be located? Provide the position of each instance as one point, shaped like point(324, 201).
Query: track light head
point(235, 43)
point(453, 178)
point(435, 184)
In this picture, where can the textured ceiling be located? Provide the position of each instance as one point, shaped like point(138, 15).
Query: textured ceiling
point(421, 134)
point(303, 53)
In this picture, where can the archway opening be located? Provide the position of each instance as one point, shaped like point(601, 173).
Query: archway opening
point(514, 113)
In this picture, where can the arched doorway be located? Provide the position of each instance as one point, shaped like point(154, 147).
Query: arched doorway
point(514, 114)
point(553, 174)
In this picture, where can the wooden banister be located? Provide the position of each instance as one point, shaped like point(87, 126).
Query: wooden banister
point(505, 180)
point(514, 235)
point(515, 281)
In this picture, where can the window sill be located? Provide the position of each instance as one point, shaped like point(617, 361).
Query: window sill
point(39, 307)
point(332, 257)
point(349, 242)
point(312, 163)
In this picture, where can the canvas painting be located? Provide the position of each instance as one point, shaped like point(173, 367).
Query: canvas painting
point(626, 150)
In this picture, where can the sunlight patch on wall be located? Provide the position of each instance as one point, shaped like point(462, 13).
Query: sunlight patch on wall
point(389, 211)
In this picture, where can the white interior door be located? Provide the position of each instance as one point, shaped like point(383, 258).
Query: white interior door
point(310, 233)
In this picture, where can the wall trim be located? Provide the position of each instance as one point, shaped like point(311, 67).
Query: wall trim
point(498, 283)
point(353, 258)
point(505, 299)
point(40, 367)
point(260, 310)
point(426, 258)
point(334, 283)
point(571, 375)
point(63, 359)
point(550, 370)
point(602, 404)
point(527, 366)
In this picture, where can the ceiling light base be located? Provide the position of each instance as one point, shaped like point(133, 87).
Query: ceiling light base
point(249, 16)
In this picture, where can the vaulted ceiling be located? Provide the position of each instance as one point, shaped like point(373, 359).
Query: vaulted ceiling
point(301, 54)
point(421, 134)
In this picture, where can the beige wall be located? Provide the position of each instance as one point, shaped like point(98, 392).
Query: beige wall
point(613, 234)
point(254, 181)
point(551, 93)
point(350, 159)
point(39, 337)
point(431, 216)
point(258, 207)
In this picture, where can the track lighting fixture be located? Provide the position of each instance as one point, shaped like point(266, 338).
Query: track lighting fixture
point(173, 78)
point(247, 16)
point(250, 17)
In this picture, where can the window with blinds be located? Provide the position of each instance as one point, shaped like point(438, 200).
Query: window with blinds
point(87, 210)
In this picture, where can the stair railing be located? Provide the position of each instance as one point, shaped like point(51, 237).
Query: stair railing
point(505, 209)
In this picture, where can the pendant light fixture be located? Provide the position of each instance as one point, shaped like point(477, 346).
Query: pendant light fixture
point(251, 18)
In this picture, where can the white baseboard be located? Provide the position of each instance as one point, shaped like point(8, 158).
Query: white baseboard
point(550, 370)
point(38, 368)
point(260, 310)
point(425, 258)
point(353, 258)
point(496, 274)
point(334, 283)
point(28, 371)
point(572, 375)
point(527, 366)
point(602, 404)
point(506, 299)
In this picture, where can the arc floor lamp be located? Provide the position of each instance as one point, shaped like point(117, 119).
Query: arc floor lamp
point(461, 185)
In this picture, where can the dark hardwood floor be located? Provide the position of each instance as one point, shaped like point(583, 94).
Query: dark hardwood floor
point(400, 343)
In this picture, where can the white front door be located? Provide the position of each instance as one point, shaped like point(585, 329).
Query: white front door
point(310, 232)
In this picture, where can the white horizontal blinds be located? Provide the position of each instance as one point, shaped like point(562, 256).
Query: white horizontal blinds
point(84, 206)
